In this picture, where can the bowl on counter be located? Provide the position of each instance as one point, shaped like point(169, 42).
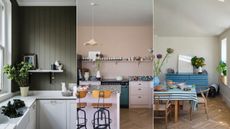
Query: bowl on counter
point(119, 78)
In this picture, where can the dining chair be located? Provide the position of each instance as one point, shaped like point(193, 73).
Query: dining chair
point(203, 100)
point(162, 107)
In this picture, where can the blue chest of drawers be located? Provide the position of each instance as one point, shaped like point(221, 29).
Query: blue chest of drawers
point(200, 80)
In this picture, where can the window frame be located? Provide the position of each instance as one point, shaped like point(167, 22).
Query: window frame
point(6, 46)
point(224, 50)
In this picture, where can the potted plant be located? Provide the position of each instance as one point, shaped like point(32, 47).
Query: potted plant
point(198, 63)
point(20, 74)
point(222, 69)
point(158, 62)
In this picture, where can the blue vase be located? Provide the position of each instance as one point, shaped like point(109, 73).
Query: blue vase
point(156, 81)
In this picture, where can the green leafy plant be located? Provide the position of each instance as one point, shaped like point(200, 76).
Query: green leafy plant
point(222, 68)
point(19, 73)
point(198, 62)
point(98, 61)
point(159, 61)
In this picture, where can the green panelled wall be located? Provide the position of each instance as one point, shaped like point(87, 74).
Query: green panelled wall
point(49, 32)
point(15, 38)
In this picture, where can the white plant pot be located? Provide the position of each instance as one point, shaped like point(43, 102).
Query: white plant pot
point(24, 91)
point(224, 80)
point(200, 70)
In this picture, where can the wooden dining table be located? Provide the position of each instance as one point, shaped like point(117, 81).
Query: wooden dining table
point(177, 95)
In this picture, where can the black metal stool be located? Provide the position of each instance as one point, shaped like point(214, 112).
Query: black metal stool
point(101, 118)
point(81, 114)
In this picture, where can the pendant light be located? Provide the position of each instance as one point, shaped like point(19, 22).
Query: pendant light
point(92, 41)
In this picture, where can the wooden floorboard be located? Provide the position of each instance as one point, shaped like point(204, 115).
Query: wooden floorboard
point(219, 118)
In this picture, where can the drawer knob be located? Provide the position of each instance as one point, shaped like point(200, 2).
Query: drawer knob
point(139, 89)
point(139, 84)
point(139, 97)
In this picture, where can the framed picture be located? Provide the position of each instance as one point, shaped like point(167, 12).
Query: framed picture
point(32, 59)
point(184, 64)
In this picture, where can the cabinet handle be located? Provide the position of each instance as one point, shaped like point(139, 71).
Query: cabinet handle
point(53, 101)
point(139, 84)
point(139, 89)
point(139, 97)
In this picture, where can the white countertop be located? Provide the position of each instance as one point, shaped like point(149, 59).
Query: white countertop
point(29, 100)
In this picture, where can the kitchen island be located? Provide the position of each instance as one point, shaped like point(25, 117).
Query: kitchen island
point(114, 110)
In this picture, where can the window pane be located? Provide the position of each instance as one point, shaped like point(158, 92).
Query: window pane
point(1, 67)
point(1, 23)
point(224, 50)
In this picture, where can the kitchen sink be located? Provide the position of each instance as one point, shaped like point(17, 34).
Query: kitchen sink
point(3, 119)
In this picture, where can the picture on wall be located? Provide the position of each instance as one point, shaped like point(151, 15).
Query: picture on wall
point(184, 64)
point(32, 59)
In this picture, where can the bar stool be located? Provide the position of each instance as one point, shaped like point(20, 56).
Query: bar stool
point(81, 114)
point(101, 118)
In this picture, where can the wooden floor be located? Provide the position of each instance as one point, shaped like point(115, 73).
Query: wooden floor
point(219, 118)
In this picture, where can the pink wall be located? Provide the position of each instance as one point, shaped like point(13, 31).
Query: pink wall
point(118, 41)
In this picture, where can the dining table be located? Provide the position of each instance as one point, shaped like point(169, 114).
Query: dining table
point(176, 94)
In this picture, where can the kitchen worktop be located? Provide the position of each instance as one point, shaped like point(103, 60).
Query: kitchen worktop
point(114, 88)
point(29, 100)
point(48, 95)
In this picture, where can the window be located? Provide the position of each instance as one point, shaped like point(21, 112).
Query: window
point(5, 43)
point(2, 32)
point(224, 50)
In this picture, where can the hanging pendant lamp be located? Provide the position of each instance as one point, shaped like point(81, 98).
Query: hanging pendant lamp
point(92, 41)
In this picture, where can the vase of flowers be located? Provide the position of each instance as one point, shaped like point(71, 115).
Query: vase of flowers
point(98, 65)
point(158, 62)
point(198, 63)
point(20, 74)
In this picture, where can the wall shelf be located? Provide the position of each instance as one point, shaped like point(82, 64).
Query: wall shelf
point(51, 73)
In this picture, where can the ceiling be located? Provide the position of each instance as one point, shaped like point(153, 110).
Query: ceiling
point(116, 12)
point(191, 17)
point(46, 2)
point(107, 12)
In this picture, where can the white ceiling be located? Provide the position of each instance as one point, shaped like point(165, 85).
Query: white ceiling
point(107, 12)
point(191, 17)
point(116, 12)
point(46, 2)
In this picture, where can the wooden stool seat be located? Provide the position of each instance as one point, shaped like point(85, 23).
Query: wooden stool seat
point(102, 105)
point(81, 105)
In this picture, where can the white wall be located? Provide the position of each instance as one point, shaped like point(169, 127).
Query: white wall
point(206, 47)
point(225, 90)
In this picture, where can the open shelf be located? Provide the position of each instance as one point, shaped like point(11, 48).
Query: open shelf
point(51, 73)
point(45, 71)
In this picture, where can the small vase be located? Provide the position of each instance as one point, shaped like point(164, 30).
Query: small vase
point(195, 70)
point(200, 70)
point(86, 76)
point(24, 91)
point(98, 75)
point(156, 81)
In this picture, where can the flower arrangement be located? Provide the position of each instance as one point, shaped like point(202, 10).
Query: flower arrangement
point(198, 62)
point(98, 61)
point(159, 61)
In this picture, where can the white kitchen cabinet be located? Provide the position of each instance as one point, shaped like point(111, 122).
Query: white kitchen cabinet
point(52, 114)
point(24, 121)
point(32, 116)
point(71, 114)
point(140, 94)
